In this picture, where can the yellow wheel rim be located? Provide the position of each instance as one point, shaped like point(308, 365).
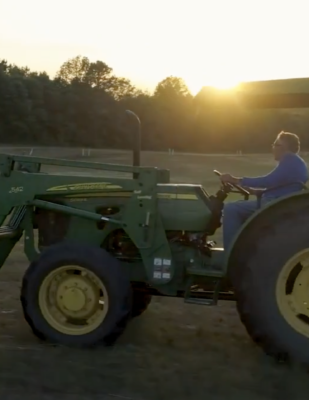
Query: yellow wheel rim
point(292, 292)
point(73, 300)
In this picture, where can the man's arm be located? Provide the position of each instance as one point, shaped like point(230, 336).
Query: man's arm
point(276, 177)
point(255, 192)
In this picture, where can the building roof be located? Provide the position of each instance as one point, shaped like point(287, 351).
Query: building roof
point(281, 93)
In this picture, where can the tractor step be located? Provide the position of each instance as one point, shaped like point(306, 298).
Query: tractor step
point(193, 296)
point(201, 302)
point(209, 272)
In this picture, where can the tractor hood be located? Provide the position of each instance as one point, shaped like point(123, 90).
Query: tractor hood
point(281, 93)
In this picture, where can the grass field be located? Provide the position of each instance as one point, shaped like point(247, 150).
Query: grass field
point(173, 351)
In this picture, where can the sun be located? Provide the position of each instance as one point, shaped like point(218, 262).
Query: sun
point(223, 83)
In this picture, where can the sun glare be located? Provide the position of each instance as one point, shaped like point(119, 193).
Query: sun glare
point(223, 84)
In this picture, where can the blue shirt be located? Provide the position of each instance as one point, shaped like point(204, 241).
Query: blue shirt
point(291, 172)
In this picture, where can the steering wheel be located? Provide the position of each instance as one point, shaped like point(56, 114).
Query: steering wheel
point(231, 186)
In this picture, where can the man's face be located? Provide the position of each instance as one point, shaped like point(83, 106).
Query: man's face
point(279, 149)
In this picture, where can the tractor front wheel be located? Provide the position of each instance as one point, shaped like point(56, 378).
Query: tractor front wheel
point(141, 301)
point(271, 281)
point(76, 295)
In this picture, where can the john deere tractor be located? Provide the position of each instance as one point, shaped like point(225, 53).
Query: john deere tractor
point(99, 248)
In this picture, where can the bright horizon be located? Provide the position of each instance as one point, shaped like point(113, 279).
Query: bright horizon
point(218, 43)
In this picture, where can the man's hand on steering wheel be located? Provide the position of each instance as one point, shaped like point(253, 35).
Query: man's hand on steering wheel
point(227, 178)
point(230, 181)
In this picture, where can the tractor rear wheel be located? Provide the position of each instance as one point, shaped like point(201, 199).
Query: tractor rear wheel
point(76, 295)
point(271, 281)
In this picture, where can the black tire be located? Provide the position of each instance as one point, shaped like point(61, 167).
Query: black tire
point(256, 267)
point(140, 302)
point(105, 267)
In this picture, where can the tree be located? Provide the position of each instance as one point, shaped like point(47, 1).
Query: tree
point(75, 69)
point(85, 106)
point(172, 88)
point(174, 105)
point(97, 74)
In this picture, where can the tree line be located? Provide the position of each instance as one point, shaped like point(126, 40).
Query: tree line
point(84, 105)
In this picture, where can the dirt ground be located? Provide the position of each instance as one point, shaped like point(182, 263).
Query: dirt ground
point(173, 351)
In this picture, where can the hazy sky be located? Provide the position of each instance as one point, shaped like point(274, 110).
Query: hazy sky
point(218, 42)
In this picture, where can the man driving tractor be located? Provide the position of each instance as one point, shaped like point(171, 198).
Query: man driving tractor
point(290, 175)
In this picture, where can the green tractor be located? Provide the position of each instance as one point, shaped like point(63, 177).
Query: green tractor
point(99, 248)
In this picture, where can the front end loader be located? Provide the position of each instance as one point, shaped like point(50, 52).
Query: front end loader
point(99, 248)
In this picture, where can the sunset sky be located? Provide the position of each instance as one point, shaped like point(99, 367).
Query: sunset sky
point(218, 42)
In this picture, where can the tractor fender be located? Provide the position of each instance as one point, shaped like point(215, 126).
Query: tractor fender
point(258, 219)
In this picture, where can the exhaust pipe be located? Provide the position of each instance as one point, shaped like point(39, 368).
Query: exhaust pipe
point(136, 142)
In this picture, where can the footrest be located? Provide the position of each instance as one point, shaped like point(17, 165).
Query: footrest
point(191, 296)
point(201, 302)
